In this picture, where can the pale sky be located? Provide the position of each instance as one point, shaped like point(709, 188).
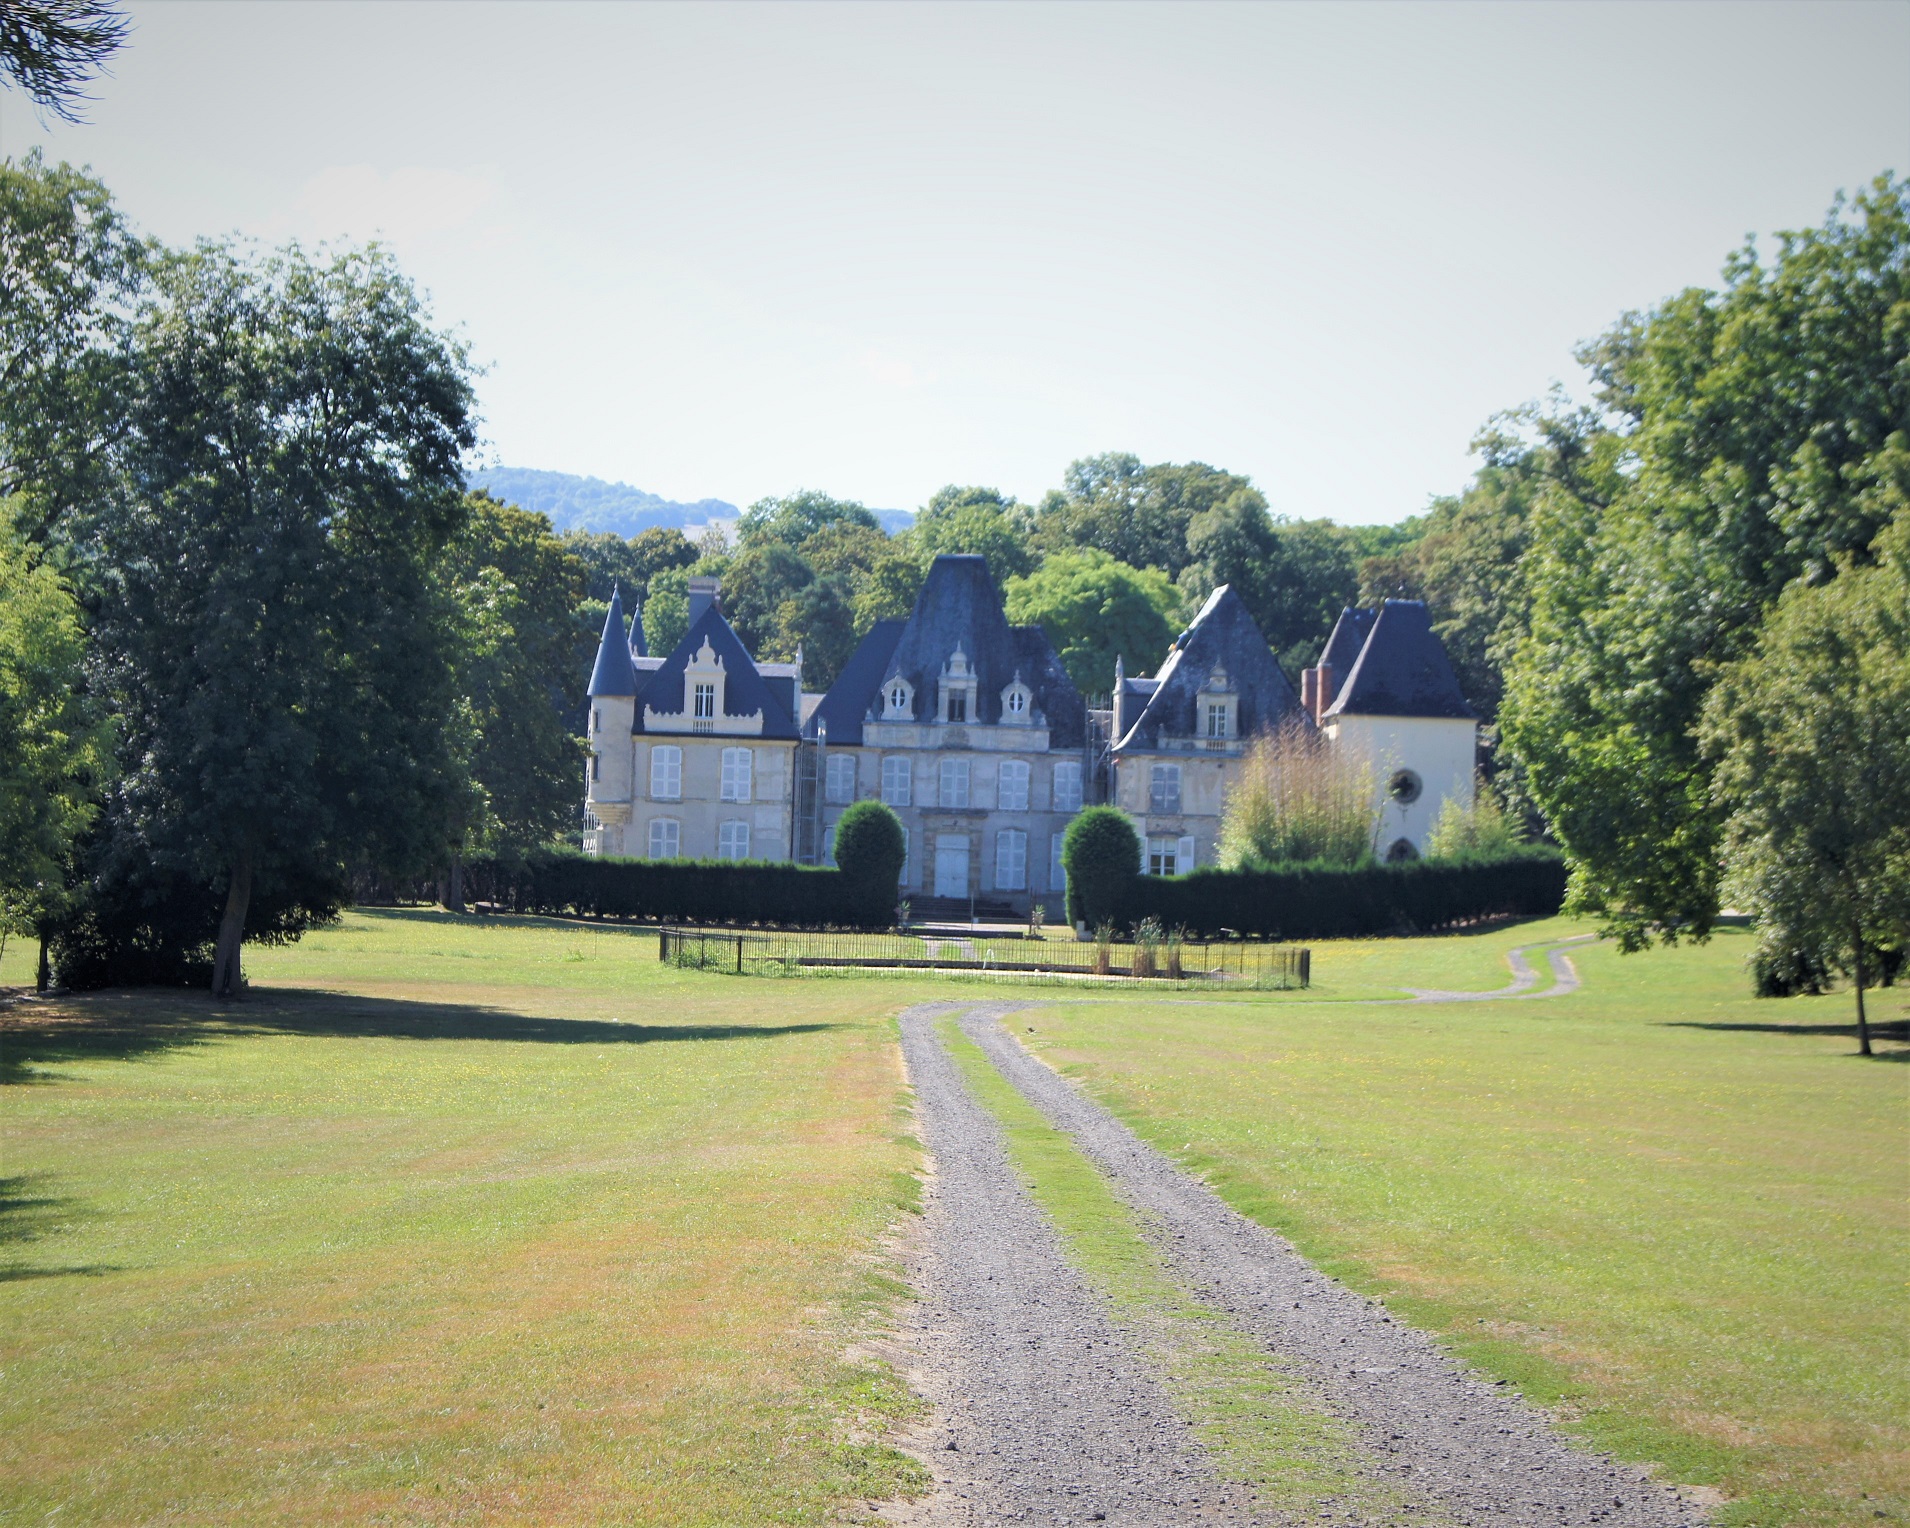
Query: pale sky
point(873, 248)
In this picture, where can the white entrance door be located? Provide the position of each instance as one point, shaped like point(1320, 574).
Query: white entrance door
point(951, 865)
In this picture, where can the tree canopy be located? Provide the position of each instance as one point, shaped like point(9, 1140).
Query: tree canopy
point(1095, 609)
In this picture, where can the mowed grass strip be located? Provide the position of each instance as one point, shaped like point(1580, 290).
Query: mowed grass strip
point(1669, 1209)
point(511, 1224)
point(1256, 1418)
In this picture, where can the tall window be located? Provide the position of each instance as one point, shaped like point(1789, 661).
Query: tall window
point(954, 782)
point(666, 773)
point(1011, 860)
point(958, 705)
point(895, 779)
point(1057, 877)
point(1067, 786)
point(596, 767)
point(841, 784)
point(596, 721)
point(829, 846)
point(705, 701)
point(665, 836)
point(732, 841)
point(735, 774)
point(1011, 792)
point(1163, 789)
point(1216, 718)
point(905, 858)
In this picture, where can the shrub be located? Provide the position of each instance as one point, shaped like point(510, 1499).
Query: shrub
point(1323, 901)
point(566, 882)
point(1299, 801)
point(1102, 857)
point(1481, 831)
point(870, 849)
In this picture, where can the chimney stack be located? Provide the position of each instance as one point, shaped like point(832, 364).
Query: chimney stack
point(1316, 691)
point(703, 594)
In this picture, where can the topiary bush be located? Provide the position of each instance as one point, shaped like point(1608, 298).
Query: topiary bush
point(870, 850)
point(1102, 857)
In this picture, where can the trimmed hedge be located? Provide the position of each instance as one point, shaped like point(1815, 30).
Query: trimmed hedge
point(566, 882)
point(1099, 856)
point(1338, 902)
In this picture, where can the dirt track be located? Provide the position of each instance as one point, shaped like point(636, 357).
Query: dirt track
point(1048, 1412)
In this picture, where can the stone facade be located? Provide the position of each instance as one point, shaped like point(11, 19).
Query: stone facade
point(972, 731)
point(692, 756)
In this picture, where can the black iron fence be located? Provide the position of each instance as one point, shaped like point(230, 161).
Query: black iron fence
point(1244, 963)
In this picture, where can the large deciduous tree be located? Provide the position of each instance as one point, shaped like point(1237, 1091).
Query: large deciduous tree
point(1810, 735)
point(268, 631)
point(1095, 609)
point(514, 589)
point(54, 746)
point(70, 271)
point(1751, 447)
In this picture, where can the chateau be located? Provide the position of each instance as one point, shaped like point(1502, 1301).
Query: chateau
point(971, 730)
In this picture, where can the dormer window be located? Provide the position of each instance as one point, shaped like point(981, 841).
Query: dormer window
point(898, 701)
point(1219, 715)
point(958, 688)
point(705, 701)
point(1017, 704)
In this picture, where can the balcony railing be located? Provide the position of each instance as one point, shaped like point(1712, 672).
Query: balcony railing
point(1170, 743)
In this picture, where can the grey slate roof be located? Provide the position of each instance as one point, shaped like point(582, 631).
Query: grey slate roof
point(850, 697)
point(958, 605)
point(1349, 636)
point(639, 646)
point(745, 691)
point(1402, 670)
point(1225, 634)
point(614, 673)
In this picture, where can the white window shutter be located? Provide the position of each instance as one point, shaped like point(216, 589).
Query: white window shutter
point(1184, 855)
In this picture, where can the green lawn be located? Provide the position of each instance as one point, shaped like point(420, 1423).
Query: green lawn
point(509, 1224)
point(1670, 1209)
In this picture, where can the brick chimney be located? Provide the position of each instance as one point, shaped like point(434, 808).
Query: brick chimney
point(1317, 687)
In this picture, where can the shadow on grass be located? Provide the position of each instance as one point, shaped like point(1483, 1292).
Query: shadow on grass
point(1897, 1030)
point(123, 1026)
point(28, 1212)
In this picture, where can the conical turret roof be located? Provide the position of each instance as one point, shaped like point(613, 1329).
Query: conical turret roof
point(614, 674)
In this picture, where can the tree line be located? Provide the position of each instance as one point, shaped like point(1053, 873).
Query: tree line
point(260, 651)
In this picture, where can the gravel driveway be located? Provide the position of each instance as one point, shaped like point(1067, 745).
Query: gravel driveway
point(1047, 1411)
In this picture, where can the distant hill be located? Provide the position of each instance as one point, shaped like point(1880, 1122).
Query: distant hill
point(590, 504)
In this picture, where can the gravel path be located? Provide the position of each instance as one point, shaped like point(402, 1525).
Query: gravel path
point(1471, 1450)
point(1044, 1413)
point(1524, 975)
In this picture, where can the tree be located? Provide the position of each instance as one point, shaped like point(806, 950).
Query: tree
point(794, 518)
point(1095, 609)
point(760, 579)
point(1810, 736)
point(666, 613)
point(870, 846)
point(71, 272)
point(268, 631)
point(1137, 514)
point(1101, 855)
point(1299, 800)
point(1748, 446)
point(52, 48)
point(1293, 576)
point(629, 563)
point(54, 747)
point(514, 590)
point(980, 521)
point(887, 592)
point(819, 620)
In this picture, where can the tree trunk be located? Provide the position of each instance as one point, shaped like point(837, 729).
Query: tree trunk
point(1863, 1024)
point(453, 897)
point(238, 898)
point(45, 975)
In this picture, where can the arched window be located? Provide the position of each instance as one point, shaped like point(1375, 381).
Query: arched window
point(895, 779)
point(666, 773)
point(665, 837)
point(1401, 851)
point(732, 841)
point(1011, 787)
